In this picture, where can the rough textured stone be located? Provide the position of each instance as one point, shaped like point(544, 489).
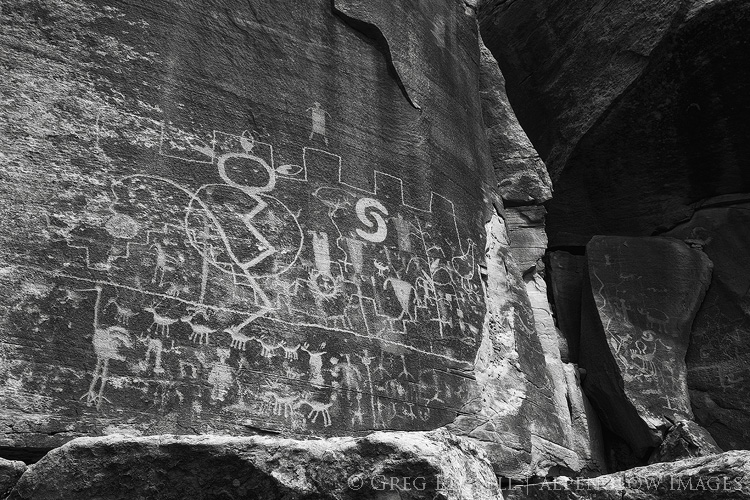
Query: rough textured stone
point(685, 439)
point(248, 218)
point(381, 465)
point(635, 334)
point(518, 409)
point(722, 476)
point(528, 239)
point(10, 472)
point(509, 368)
point(718, 360)
point(231, 218)
point(521, 173)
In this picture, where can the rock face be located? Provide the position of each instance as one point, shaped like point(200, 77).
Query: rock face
point(723, 476)
point(247, 219)
point(637, 108)
point(685, 439)
point(518, 410)
point(582, 56)
point(232, 218)
point(521, 173)
point(382, 465)
point(639, 111)
point(635, 333)
point(251, 218)
point(525, 410)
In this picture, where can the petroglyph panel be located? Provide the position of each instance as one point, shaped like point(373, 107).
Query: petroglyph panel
point(200, 235)
point(284, 296)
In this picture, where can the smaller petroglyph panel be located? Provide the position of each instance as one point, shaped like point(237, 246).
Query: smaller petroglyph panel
point(718, 360)
point(635, 333)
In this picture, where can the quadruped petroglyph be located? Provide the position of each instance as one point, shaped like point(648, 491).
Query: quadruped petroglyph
point(289, 294)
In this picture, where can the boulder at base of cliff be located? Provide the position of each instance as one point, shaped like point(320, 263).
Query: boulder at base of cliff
point(721, 476)
point(10, 471)
point(381, 465)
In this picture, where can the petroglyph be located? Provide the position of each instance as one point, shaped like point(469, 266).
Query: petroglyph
point(108, 344)
point(290, 269)
point(318, 121)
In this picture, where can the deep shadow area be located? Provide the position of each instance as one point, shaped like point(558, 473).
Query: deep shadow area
point(678, 135)
point(25, 455)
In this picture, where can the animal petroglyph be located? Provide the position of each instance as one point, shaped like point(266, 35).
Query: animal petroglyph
point(200, 333)
point(108, 344)
point(655, 318)
point(291, 353)
point(318, 409)
point(122, 313)
point(161, 322)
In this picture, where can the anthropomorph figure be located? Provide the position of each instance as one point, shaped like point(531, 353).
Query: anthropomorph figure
point(318, 121)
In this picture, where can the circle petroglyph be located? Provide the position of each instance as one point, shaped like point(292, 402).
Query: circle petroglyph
point(122, 226)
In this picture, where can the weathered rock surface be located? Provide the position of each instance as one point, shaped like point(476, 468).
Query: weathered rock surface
point(722, 476)
point(640, 298)
point(511, 411)
point(526, 231)
point(685, 439)
point(231, 218)
point(586, 435)
point(639, 110)
point(718, 361)
point(10, 472)
point(521, 173)
point(381, 465)
point(520, 408)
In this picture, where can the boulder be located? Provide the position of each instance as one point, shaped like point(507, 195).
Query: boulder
point(640, 296)
point(10, 472)
point(718, 361)
point(683, 440)
point(721, 476)
point(379, 466)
